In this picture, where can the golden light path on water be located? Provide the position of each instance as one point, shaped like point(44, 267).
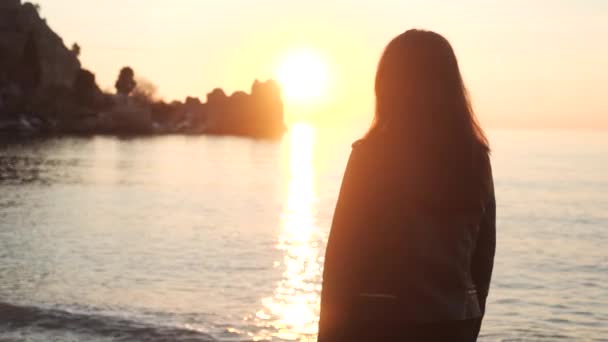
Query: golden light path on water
point(293, 310)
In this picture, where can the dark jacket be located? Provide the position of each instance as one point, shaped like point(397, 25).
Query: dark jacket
point(385, 258)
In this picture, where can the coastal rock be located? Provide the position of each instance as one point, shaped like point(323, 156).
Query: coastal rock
point(8, 4)
point(127, 116)
point(20, 23)
point(268, 108)
point(35, 65)
point(42, 82)
point(86, 91)
point(259, 114)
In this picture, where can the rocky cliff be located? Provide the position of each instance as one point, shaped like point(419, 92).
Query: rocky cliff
point(25, 39)
point(44, 88)
point(257, 114)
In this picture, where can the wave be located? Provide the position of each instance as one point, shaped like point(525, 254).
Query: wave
point(20, 318)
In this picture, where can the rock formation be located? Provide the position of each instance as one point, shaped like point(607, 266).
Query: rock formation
point(44, 88)
point(21, 31)
point(35, 66)
point(259, 114)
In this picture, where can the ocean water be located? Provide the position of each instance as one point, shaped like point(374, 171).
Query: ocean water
point(222, 238)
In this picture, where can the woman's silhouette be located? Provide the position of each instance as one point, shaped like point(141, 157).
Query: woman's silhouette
point(411, 248)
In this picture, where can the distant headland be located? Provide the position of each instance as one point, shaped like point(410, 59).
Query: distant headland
point(45, 90)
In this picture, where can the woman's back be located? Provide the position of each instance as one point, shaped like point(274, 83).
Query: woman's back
point(413, 236)
point(399, 245)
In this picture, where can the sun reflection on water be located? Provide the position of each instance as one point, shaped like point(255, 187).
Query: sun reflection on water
point(293, 310)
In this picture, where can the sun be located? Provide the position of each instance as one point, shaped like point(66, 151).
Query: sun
point(304, 76)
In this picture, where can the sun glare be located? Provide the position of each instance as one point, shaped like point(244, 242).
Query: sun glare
point(304, 77)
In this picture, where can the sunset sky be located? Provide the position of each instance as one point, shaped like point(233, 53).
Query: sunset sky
point(528, 64)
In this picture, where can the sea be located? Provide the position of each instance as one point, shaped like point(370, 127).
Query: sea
point(200, 238)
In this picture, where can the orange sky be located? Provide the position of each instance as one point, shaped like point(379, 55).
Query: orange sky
point(528, 64)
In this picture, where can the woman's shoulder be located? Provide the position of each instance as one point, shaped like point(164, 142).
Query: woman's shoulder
point(372, 149)
point(363, 149)
point(360, 154)
point(358, 143)
point(367, 143)
point(368, 153)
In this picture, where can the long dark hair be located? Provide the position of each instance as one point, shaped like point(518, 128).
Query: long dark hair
point(423, 109)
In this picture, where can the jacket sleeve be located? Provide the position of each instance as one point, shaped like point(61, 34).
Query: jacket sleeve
point(483, 257)
point(342, 252)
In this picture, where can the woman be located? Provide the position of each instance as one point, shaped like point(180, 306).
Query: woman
point(411, 248)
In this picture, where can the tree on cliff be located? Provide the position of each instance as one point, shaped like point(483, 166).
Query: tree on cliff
point(126, 82)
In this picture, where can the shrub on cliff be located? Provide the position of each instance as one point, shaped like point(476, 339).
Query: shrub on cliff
point(75, 49)
point(145, 91)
